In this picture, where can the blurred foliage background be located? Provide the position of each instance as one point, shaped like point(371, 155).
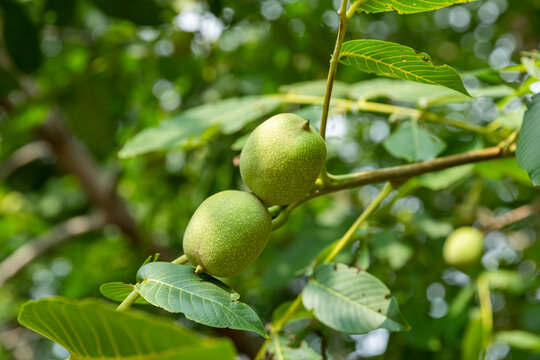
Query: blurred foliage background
point(113, 68)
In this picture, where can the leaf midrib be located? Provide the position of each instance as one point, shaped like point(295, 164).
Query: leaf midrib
point(340, 295)
point(390, 66)
point(223, 306)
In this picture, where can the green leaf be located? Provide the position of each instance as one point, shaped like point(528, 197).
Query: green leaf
point(282, 351)
point(501, 169)
point(424, 95)
point(443, 179)
point(195, 126)
point(404, 6)
point(20, 36)
point(315, 88)
point(352, 301)
point(509, 281)
point(413, 144)
point(118, 291)
point(398, 61)
point(140, 12)
point(300, 314)
point(90, 329)
point(528, 146)
point(202, 298)
point(471, 343)
point(520, 339)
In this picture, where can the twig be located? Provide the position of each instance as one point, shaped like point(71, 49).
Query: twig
point(23, 156)
point(362, 105)
point(343, 20)
point(408, 171)
point(129, 300)
point(58, 234)
point(336, 248)
point(395, 174)
point(99, 188)
point(349, 235)
point(498, 222)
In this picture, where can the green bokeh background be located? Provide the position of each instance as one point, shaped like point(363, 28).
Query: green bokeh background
point(117, 67)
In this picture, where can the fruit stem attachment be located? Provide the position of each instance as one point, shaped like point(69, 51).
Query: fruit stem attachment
point(181, 260)
point(129, 300)
point(275, 210)
point(199, 269)
point(305, 125)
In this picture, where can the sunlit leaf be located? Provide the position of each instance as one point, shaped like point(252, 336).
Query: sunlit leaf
point(350, 300)
point(510, 281)
point(398, 61)
point(197, 125)
point(202, 298)
point(89, 329)
point(118, 291)
point(520, 339)
point(404, 6)
point(528, 146)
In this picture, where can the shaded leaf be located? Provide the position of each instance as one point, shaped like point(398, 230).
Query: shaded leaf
point(351, 301)
point(64, 10)
point(118, 291)
point(7, 82)
point(89, 116)
point(443, 179)
point(198, 124)
point(404, 6)
point(414, 144)
point(421, 94)
point(398, 61)
point(315, 88)
point(140, 12)
point(282, 351)
point(89, 329)
point(21, 37)
point(202, 298)
point(528, 146)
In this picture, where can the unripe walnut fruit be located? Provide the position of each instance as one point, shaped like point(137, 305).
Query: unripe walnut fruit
point(463, 247)
point(282, 159)
point(227, 233)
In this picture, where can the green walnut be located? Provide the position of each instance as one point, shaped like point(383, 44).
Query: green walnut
point(227, 232)
point(463, 247)
point(282, 159)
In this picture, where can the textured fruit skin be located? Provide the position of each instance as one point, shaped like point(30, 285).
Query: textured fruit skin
point(227, 233)
point(282, 159)
point(463, 247)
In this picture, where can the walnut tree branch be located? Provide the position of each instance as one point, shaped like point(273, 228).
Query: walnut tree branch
point(58, 234)
point(99, 187)
point(23, 156)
